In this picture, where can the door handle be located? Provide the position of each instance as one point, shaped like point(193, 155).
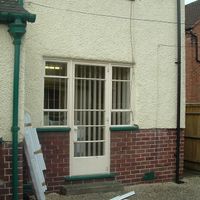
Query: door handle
point(75, 133)
point(76, 128)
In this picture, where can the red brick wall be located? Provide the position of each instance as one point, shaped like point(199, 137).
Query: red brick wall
point(132, 155)
point(55, 147)
point(135, 153)
point(192, 68)
point(6, 171)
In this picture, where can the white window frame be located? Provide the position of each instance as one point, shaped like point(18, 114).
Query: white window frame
point(50, 76)
point(108, 90)
point(131, 96)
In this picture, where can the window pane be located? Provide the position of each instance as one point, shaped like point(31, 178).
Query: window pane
point(120, 118)
point(121, 73)
point(55, 93)
point(56, 69)
point(90, 71)
point(120, 95)
point(55, 118)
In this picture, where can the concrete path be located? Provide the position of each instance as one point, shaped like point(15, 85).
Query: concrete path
point(190, 190)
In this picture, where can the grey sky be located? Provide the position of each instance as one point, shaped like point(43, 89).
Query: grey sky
point(189, 1)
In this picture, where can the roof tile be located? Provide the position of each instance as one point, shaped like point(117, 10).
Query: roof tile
point(192, 14)
point(11, 6)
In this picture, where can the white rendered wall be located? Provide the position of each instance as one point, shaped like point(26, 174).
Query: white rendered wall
point(100, 30)
point(6, 85)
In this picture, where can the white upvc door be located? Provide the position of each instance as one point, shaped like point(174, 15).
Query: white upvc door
point(90, 87)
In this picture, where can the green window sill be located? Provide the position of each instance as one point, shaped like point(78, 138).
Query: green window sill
point(125, 128)
point(53, 129)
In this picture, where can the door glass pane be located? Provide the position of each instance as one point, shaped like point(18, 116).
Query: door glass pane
point(89, 149)
point(89, 113)
point(89, 117)
point(90, 133)
point(89, 94)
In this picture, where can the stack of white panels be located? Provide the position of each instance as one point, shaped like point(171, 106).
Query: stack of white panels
point(34, 158)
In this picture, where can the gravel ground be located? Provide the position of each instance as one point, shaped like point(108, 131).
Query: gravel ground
point(189, 190)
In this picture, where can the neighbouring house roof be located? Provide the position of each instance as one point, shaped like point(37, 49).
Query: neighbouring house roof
point(11, 6)
point(192, 14)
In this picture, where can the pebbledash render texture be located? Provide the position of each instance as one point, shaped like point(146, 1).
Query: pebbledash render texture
point(133, 154)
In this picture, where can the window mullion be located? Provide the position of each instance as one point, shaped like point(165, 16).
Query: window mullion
point(131, 99)
point(70, 95)
point(89, 112)
point(108, 94)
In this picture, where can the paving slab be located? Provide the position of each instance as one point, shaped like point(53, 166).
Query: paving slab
point(189, 190)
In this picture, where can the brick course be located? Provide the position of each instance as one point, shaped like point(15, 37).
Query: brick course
point(6, 171)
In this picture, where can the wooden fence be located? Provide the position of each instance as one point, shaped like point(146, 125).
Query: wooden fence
point(192, 137)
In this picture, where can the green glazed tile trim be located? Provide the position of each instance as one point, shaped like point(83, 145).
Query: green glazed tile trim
point(53, 129)
point(89, 177)
point(125, 128)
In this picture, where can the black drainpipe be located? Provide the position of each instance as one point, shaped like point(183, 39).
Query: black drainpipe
point(178, 129)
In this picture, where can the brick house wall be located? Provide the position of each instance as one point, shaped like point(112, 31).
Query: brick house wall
point(132, 155)
point(135, 153)
point(192, 97)
point(55, 147)
point(192, 68)
point(6, 171)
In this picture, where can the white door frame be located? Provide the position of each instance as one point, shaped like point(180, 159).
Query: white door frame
point(94, 164)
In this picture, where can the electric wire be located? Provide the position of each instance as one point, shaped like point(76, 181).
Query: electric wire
point(100, 15)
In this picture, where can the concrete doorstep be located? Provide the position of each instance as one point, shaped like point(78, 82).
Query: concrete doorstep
point(100, 187)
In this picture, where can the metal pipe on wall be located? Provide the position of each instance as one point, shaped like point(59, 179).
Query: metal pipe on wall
point(16, 29)
point(21, 2)
point(178, 121)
